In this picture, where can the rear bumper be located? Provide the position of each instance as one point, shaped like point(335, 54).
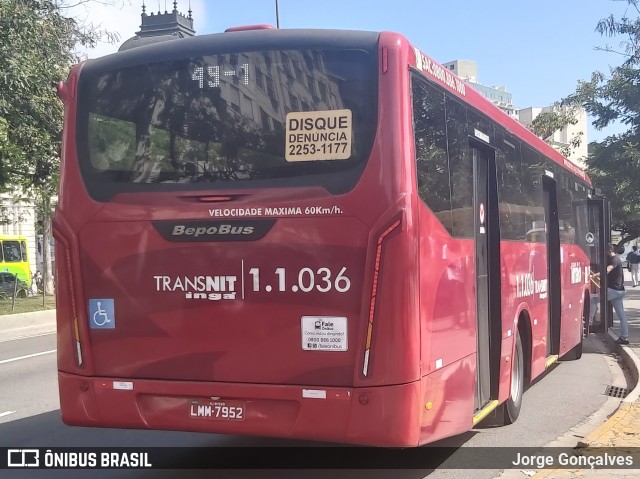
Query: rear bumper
point(386, 416)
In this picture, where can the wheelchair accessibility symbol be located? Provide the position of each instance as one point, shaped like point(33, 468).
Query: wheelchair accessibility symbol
point(102, 314)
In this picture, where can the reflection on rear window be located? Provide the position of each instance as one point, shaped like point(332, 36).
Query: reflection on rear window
point(304, 116)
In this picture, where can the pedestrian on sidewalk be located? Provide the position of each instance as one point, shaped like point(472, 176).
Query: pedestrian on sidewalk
point(595, 298)
point(633, 259)
point(615, 291)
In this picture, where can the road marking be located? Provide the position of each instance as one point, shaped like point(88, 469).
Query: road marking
point(27, 356)
point(26, 336)
point(6, 413)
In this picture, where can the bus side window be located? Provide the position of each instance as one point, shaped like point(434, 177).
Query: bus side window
point(532, 171)
point(461, 165)
point(568, 190)
point(432, 164)
point(509, 171)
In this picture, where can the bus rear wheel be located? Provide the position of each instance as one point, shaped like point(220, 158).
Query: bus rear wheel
point(514, 403)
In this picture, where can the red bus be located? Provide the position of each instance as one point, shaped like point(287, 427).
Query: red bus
point(308, 234)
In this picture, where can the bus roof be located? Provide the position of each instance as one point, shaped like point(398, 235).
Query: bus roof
point(241, 40)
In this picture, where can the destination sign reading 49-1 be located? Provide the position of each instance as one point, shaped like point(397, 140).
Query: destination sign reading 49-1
point(209, 76)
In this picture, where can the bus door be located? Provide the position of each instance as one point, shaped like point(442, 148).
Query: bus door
point(552, 228)
point(593, 233)
point(487, 254)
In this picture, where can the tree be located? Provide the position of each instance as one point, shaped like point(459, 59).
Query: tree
point(614, 164)
point(548, 122)
point(620, 185)
point(38, 45)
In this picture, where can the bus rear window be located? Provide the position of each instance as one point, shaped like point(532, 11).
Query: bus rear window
point(229, 120)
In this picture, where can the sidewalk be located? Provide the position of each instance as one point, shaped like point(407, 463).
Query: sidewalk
point(23, 325)
point(622, 429)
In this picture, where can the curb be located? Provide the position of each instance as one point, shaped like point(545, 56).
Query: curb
point(24, 325)
point(622, 424)
point(632, 361)
point(623, 421)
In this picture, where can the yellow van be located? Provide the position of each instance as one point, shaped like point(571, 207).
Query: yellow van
point(14, 258)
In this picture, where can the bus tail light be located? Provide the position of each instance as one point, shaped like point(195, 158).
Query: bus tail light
point(374, 295)
point(72, 293)
point(78, 345)
point(214, 199)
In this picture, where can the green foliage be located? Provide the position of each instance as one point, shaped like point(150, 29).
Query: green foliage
point(30, 112)
point(37, 48)
point(614, 167)
point(548, 122)
point(27, 305)
point(37, 45)
point(614, 164)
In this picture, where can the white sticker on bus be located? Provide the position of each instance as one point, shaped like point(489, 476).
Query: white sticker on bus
point(123, 385)
point(576, 272)
point(527, 286)
point(324, 333)
point(318, 135)
point(314, 393)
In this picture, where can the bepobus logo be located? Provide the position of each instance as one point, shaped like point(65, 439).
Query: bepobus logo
point(224, 229)
point(23, 458)
point(201, 231)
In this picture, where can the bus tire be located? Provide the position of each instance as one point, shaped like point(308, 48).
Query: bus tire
point(514, 403)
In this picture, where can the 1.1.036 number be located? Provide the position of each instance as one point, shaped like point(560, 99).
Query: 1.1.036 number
point(308, 280)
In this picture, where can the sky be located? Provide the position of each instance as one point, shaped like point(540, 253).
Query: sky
point(537, 49)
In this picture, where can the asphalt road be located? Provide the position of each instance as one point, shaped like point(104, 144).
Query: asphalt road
point(565, 397)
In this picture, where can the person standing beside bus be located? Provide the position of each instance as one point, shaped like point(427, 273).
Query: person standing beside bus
point(633, 259)
point(595, 297)
point(615, 291)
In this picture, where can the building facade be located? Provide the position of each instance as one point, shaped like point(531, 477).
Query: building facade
point(161, 27)
point(562, 138)
point(498, 95)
